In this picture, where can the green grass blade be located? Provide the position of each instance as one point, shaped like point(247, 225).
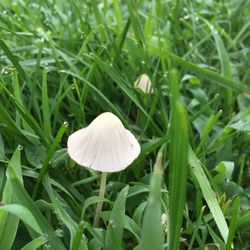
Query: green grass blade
point(208, 194)
point(24, 199)
point(90, 201)
point(78, 242)
point(35, 244)
point(9, 222)
point(225, 66)
point(14, 61)
point(211, 121)
point(63, 215)
point(151, 237)
point(98, 92)
point(113, 238)
point(22, 213)
point(233, 222)
point(135, 21)
point(28, 118)
point(11, 125)
point(45, 106)
point(48, 157)
point(178, 163)
point(220, 80)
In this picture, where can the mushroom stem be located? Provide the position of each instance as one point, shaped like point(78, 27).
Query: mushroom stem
point(101, 195)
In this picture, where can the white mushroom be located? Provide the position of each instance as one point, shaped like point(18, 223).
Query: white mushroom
point(143, 83)
point(105, 145)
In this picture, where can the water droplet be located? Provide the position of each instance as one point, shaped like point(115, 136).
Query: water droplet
point(73, 86)
point(66, 124)
point(59, 232)
point(84, 238)
point(104, 46)
point(60, 222)
point(112, 223)
point(56, 211)
point(44, 236)
point(38, 166)
point(47, 246)
point(143, 62)
point(20, 147)
point(165, 74)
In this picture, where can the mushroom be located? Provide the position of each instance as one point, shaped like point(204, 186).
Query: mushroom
point(143, 83)
point(106, 146)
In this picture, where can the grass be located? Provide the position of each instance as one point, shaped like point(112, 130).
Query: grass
point(65, 62)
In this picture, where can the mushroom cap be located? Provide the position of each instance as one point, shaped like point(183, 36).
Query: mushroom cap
point(105, 145)
point(143, 83)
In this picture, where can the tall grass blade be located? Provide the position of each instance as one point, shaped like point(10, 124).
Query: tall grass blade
point(233, 222)
point(113, 238)
point(48, 157)
point(208, 194)
point(151, 237)
point(178, 163)
point(9, 222)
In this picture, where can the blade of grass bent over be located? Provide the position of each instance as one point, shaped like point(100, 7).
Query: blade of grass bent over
point(208, 194)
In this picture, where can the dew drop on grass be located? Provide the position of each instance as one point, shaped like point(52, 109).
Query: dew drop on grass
point(84, 238)
point(56, 211)
point(59, 232)
point(20, 147)
point(104, 46)
point(165, 74)
point(112, 223)
point(73, 86)
point(60, 222)
point(47, 246)
point(44, 236)
point(66, 124)
point(143, 62)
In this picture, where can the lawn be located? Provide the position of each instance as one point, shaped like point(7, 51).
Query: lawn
point(168, 167)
